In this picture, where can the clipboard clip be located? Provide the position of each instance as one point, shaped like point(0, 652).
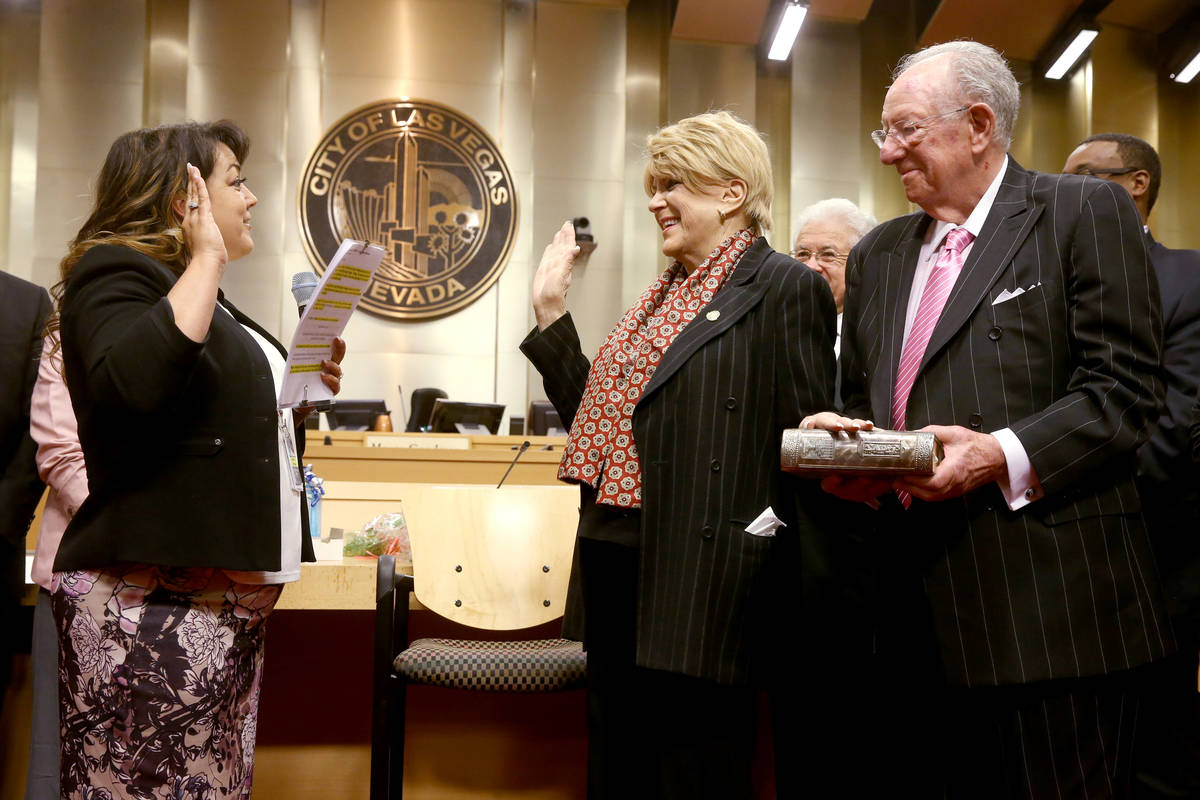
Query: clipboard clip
point(362, 250)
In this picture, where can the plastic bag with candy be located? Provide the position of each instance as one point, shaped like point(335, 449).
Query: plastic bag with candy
point(386, 535)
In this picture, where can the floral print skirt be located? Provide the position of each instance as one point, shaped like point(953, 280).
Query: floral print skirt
point(159, 671)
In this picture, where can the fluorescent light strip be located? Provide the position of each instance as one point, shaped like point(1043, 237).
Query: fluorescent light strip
point(1187, 73)
point(1071, 54)
point(785, 34)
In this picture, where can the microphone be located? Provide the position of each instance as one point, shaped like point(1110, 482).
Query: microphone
point(520, 452)
point(303, 286)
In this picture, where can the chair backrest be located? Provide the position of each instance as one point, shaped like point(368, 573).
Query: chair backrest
point(496, 559)
point(422, 407)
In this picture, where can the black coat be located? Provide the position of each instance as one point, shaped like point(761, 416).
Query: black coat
point(708, 428)
point(179, 437)
point(23, 311)
point(1065, 586)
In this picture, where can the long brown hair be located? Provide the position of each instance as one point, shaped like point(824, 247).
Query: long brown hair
point(143, 174)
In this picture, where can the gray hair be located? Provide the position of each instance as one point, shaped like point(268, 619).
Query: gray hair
point(983, 77)
point(838, 208)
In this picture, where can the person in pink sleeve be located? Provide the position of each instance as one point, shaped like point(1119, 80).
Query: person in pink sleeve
point(60, 465)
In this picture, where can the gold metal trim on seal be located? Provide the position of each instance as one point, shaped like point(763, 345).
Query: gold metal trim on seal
point(428, 184)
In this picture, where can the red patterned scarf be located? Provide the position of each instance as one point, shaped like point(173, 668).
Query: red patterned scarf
point(600, 450)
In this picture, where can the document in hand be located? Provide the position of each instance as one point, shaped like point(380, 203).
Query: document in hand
point(336, 297)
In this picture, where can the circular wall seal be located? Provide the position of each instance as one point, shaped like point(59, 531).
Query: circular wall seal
point(427, 183)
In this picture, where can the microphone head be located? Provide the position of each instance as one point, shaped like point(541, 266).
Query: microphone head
point(303, 286)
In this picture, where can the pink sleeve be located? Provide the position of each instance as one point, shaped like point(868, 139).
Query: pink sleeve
point(59, 459)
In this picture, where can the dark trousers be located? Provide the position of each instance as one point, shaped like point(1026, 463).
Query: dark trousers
point(653, 734)
point(42, 781)
point(1167, 761)
point(1059, 739)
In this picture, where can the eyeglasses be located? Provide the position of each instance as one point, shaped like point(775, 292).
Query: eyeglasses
point(826, 255)
point(905, 132)
point(1095, 173)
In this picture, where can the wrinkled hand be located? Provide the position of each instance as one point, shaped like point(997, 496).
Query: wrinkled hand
point(200, 231)
point(972, 460)
point(859, 490)
point(553, 277)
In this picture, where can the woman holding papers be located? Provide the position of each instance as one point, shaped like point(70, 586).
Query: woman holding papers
point(195, 515)
point(674, 439)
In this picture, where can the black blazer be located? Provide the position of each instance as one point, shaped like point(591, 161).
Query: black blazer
point(1067, 585)
point(708, 427)
point(179, 437)
point(1168, 480)
point(23, 311)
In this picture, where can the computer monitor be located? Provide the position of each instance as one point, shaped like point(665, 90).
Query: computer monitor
point(544, 420)
point(456, 416)
point(355, 415)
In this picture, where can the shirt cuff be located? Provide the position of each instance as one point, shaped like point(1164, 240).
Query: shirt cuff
point(1020, 486)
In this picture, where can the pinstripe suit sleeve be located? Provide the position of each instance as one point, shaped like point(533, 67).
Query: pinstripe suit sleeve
point(808, 323)
point(558, 357)
point(1114, 328)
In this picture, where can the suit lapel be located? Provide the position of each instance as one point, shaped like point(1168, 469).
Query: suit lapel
point(1010, 221)
point(739, 294)
point(897, 286)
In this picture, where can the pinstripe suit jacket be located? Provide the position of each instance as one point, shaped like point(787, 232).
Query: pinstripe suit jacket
point(707, 428)
point(1067, 585)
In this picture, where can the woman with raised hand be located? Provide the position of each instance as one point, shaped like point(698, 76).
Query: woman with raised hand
point(195, 515)
point(675, 431)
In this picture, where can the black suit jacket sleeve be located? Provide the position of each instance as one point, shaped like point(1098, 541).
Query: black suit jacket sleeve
point(558, 356)
point(23, 311)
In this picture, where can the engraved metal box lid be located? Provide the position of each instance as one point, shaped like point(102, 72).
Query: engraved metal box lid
point(877, 452)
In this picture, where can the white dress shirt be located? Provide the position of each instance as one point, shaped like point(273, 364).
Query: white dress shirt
point(1021, 485)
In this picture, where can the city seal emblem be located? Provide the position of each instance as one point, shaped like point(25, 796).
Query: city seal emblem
point(428, 184)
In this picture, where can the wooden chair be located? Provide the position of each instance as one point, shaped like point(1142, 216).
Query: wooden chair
point(486, 558)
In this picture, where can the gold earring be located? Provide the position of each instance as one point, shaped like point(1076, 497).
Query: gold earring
point(721, 215)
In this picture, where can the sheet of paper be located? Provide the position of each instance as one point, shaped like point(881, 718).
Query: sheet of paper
point(328, 312)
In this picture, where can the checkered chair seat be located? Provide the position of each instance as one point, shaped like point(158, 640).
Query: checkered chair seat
point(534, 665)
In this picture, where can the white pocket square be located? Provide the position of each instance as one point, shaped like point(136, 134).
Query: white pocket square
point(1006, 295)
point(765, 524)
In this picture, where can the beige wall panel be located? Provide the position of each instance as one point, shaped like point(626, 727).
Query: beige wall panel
point(575, 52)
point(90, 91)
point(421, 40)
point(64, 200)
point(254, 99)
point(704, 76)
point(1175, 218)
point(238, 35)
point(1125, 83)
point(773, 104)
point(827, 124)
point(341, 94)
point(166, 62)
point(579, 135)
point(19, 46)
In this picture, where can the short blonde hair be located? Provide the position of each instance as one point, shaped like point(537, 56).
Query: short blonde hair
point(710, 149)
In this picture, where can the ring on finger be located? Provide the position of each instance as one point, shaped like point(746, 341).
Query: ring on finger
point(193, 205)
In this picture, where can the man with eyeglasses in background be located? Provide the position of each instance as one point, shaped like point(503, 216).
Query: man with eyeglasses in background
point(1168, 750)
point(825, 232)
point(1016, 317)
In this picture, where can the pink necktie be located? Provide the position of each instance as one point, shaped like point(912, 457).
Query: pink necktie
point(933, 300)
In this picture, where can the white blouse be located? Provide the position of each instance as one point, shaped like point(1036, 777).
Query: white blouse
point(289, 494)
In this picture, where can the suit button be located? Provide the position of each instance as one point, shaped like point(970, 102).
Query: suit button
point(731, 403)
point(218, 441)
point(715, 465)
point(994, 332)
point(975, 421)
point(706, 532)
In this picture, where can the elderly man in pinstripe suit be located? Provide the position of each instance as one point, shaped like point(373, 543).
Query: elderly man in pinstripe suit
point(1018, 318)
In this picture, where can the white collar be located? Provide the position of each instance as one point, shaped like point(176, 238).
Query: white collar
point(973, 223)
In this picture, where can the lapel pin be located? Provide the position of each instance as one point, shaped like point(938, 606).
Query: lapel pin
point(712, 316)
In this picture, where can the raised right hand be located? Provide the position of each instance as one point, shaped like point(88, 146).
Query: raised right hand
point(553, 277)
point(200, 230)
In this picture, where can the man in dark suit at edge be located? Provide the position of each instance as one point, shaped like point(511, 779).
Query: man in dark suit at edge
point(1017, 317)
point(23, 310)
point(1167, 480)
